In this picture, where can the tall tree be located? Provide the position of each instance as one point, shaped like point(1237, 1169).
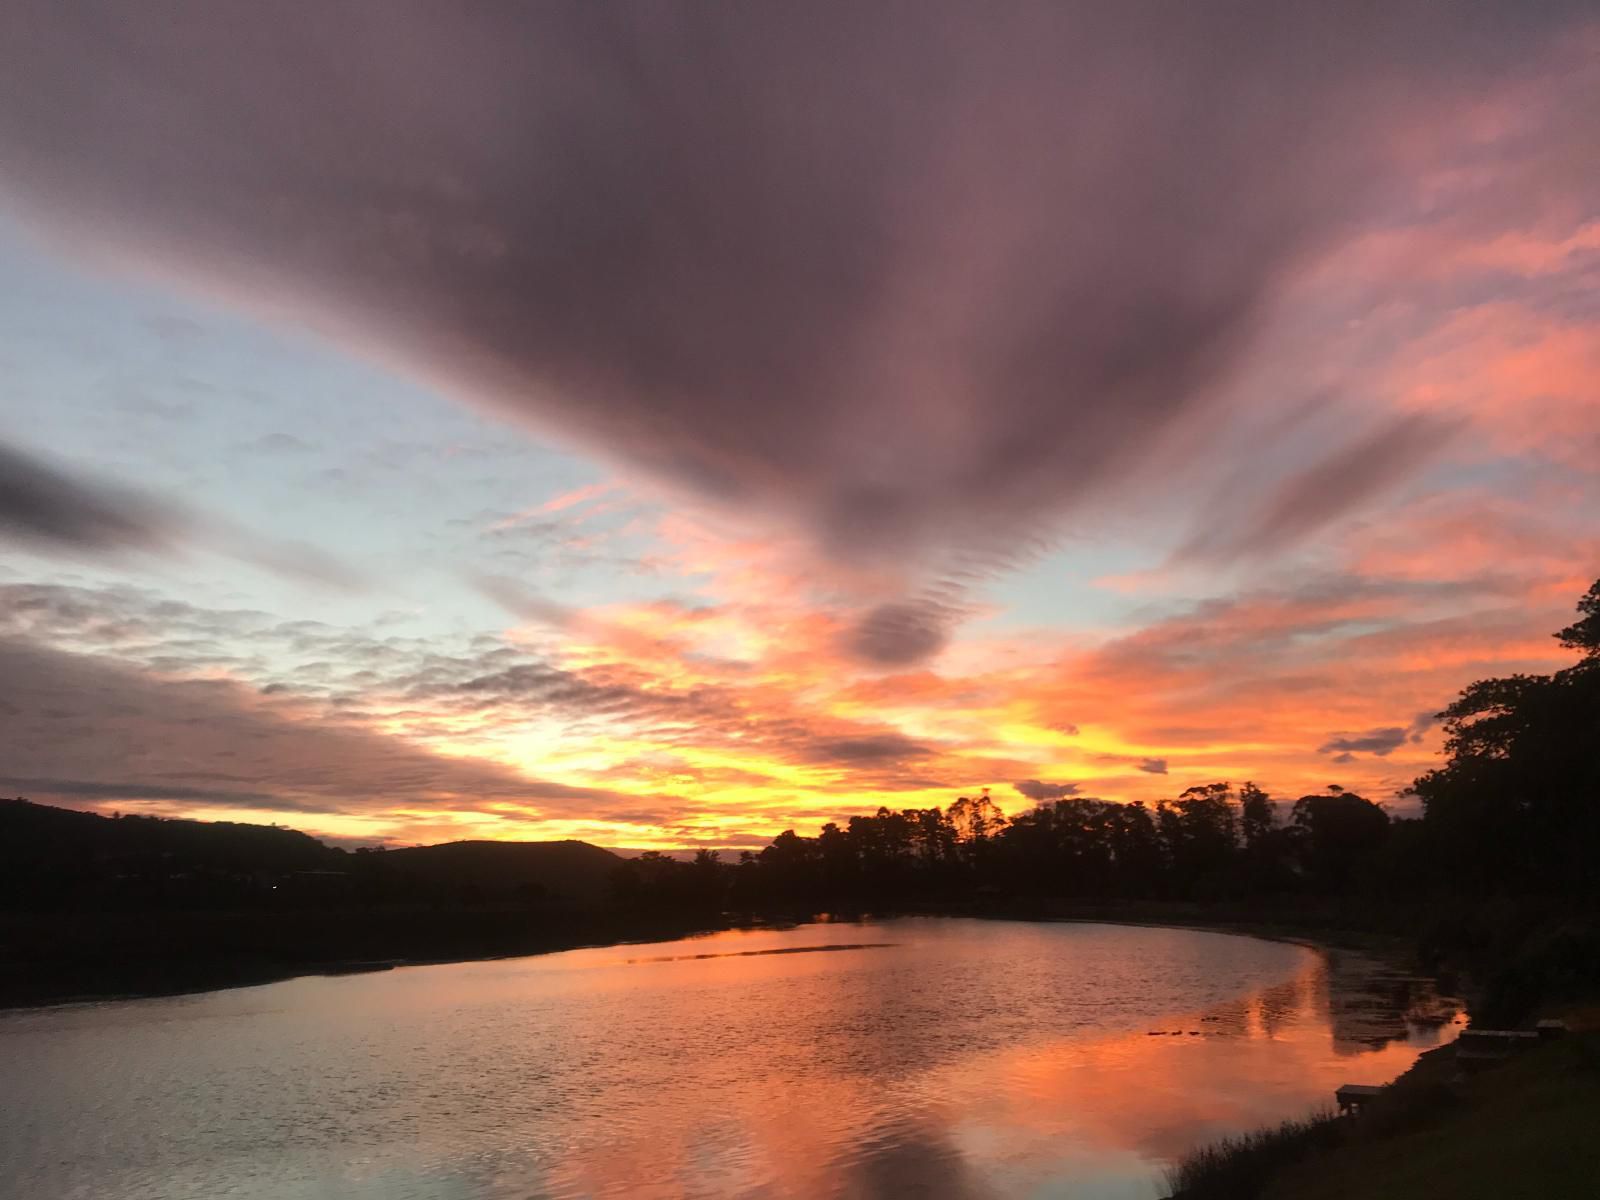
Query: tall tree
point(1516, 804)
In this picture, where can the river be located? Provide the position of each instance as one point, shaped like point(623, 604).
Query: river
point(908, 1057)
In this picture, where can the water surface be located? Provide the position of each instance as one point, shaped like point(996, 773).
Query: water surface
point(914, 1057)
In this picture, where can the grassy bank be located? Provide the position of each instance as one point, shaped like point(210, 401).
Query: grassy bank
point(1523, 1129)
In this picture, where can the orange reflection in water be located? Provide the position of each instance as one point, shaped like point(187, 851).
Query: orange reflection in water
point(1059, 1116)
point(971, 1060)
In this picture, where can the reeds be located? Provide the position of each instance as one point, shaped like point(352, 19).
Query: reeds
point(1236, 1168)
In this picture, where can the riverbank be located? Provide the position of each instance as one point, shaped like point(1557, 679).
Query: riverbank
point(1522, 1128)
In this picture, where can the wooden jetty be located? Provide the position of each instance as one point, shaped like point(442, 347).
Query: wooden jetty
point(1352, 1096)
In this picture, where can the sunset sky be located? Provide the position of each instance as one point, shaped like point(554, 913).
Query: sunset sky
point(668, 425)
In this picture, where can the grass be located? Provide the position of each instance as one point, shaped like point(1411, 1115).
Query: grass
point(1521, 1131)
point(1239, 1167)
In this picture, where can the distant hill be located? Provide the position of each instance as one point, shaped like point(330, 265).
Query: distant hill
point(54, 856)
point(113, 906)
point(575, 870)
point(38, 833)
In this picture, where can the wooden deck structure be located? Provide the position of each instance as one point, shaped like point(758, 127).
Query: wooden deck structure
point(1352, 1096)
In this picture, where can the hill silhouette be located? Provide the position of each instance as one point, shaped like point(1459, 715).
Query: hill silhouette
point(56, 857)
point(573, 870)
point(94, 905)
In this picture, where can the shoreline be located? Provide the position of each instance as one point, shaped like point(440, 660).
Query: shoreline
point(1440, 1130)
point(228, 974)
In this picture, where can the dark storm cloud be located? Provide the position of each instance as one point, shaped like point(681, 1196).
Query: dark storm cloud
point(916, 275)
point(1039, 791)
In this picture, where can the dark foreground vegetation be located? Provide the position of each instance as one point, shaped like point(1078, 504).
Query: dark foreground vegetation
point(1499, 877)
point(1243, 1165)
point(1521, 1129)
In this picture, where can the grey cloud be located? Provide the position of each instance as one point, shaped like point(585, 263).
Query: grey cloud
point(885, 747)
point(1373, 741)
point(1154, 766)
point(294, 560)
point(896, 635)
point(129, 735)
point(523, 602)
point(46, 508)
point(82, 789)
point(913, 275)
point(1039, 791)
point(1309, 500)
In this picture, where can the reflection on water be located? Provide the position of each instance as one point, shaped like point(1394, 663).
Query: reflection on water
point(771, 950)
point(951, 1058)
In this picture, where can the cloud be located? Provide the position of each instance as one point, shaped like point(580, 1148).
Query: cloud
point(887, 747)
point(88, 727)
point(897, 635)
point(1381, 742)
point(1310, 499)
point(642, 686)
point(1373, 741)
point(82, 789)
point(1039, 791)
point(911, 278)
point(1154, 766)
point(525, 603)
point(45, 508)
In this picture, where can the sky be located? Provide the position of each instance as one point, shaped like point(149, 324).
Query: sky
point(668, 425)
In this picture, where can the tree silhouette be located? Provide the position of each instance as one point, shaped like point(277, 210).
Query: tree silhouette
point(1515, 808)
